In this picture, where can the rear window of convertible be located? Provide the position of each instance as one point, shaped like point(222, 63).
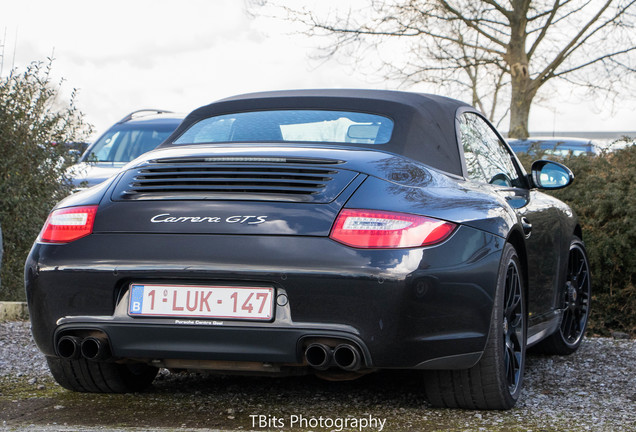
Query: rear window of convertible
point(291, 125)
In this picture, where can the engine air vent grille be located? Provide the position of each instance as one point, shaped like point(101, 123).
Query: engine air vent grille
point(220, 180)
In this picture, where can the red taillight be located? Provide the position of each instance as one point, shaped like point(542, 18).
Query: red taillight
point(382, 229)
point(68, 224)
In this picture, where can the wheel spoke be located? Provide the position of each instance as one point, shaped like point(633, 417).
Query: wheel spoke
point(516, 322)
point(571, 264)
point(566, 323)
point(581, 267)
point(517, 361)
point(580, 324)
point(517, 367)
point(513, 297)
point(513, 307)
point(582, 281)
point(510, 366)
point(576, 324)
point(518, 334)
point(509, 344)
point(572, 325)
point(509, 292)
point(513, 366)
point(506, 359)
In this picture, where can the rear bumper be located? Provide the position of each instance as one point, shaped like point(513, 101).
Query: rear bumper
point(281, 346)
point(407, 308)
point(200, 342)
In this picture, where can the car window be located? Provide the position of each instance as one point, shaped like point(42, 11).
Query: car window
point(291, 125)
point(487, 158)
point(125, 143)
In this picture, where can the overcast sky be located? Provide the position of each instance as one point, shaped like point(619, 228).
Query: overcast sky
point(178, 55)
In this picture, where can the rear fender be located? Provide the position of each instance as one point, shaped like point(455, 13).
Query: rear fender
point(458, 204)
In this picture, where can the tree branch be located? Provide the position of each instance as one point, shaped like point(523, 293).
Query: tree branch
point(544, 29)
point(591, 62)
point(499, 8)
point(576, 41)
point(471, 23)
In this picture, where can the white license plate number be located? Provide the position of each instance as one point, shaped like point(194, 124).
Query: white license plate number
point(201, 301)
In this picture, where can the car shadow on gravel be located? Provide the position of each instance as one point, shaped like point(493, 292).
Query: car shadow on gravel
point(592, 389)
point(200, 400)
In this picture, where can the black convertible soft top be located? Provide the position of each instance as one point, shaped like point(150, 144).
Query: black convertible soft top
point(424, 124)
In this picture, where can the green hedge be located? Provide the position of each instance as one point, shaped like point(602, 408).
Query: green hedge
point(604, 197)
point(34, 125)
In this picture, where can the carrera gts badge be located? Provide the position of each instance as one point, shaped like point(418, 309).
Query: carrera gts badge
point(167, 218)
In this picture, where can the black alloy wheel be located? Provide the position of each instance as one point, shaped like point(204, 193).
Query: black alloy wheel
point(576, 308)
point(576, 299)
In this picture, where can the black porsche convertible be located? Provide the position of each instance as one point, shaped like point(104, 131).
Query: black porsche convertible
point(334, 232)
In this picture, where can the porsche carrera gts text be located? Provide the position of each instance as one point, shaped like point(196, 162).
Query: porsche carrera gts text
point(168, 218)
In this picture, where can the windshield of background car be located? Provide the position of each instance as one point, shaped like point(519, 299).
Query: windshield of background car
point(125, 142)
point(291, 125)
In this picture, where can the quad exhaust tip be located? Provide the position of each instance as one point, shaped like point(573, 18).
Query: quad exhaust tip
point(318, 356)
point(90, 348)
point(345, 356)
point(95, 348)
point(68, 347)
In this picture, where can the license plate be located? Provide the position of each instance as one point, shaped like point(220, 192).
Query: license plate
point(201, 301)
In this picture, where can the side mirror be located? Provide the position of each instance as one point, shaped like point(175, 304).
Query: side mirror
point(548, 174)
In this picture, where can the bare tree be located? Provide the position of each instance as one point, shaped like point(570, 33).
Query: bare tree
point(498, 51)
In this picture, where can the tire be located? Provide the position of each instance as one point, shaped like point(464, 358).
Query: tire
point(575, 304)
point(101, 377)
point(495, 382)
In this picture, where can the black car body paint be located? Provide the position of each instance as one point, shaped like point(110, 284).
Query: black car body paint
point(255, 225)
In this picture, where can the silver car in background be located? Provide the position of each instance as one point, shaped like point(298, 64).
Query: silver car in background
point(135, 134)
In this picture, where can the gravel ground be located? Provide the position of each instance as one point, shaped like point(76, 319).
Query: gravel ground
point(18, 353)
point(593, 389)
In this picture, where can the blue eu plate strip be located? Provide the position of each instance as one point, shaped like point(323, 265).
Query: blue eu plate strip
point(136, 299)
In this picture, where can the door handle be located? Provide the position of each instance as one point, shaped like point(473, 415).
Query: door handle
point(526, 226)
